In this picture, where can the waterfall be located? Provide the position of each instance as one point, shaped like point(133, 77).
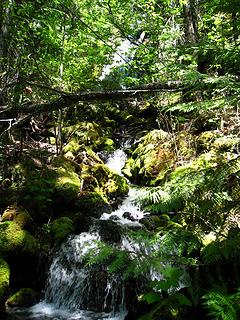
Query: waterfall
point(116, 161)
point(75, 291)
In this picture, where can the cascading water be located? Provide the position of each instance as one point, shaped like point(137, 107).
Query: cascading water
point(76, 292)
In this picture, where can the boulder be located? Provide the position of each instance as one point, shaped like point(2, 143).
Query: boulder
point(60, 228)
point(14, 240)
point(19, 215)
point(25, 297)
point(4, 282)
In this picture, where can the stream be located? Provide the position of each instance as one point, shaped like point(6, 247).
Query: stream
point(74, 291)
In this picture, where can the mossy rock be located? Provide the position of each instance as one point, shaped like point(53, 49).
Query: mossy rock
point(61, 228)
point(122, 187)
point(110, 184)
point(72, 146)
point(186, 145)
point(15, 240)
point(19, 215)
point(205, 140)
point(88, 134)
point(226, 143)
point(67, 184)
point(153, 158)
point(155, 221)
point(4, 282)
point(25, 297)
point(92, 204)
point(128, 168)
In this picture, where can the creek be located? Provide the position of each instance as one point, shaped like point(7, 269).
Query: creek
point(74, 291)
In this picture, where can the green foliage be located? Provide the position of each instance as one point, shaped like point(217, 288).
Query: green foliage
point(4, 280)
point(222, 306)
point(197, 190)
point(222, 251)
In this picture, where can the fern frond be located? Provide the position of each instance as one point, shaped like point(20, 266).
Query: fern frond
point(220, 306)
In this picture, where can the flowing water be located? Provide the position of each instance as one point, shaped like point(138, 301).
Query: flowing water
point(76, 292)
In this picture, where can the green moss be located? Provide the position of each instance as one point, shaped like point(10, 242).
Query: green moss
point(86, 134)
point(19, 215)
point(67, 183)
point(128, 168)
point(61, 228)
point(4, 282)
point(122, 187)
point(205, 139)
point(93, 203)
point(72, 146)
point(25, 297)
point(107, 144)
point(110, 184)
point(226, 143)
point(15, 240)
point(153, 157)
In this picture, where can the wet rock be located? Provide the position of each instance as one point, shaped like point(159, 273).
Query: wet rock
point(60, 228)
point(128, 215)
point(153, 222)
point(114, 218)
point(25, 297)
point(110, 231)
point(92, 204)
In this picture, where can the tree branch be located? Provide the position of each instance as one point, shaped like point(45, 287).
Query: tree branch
point(66, 100)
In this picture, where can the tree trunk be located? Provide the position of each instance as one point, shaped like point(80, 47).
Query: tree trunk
point(190, 13)
point(5, 17)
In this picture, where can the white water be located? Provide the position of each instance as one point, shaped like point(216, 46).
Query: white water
point(119, 58)
point(129, 207)
point(73, 290)
point(117, 160)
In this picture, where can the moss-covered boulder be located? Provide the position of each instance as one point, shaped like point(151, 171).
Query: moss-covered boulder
point(92, 204)
point(153, 222)
point(25, 297)
point(67, 182)
point(153, 158)
point(110, 184)
point(19, 215)
point(87, 134)
point(60, 228)
point(4, 282)
point(14, 240)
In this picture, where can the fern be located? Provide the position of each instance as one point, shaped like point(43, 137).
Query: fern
point(199, 190)
point(222, 251)
point(221, 306)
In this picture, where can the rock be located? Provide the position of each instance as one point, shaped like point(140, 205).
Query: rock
point(114, 218)
point(19, 215)
point(67, 184)
point(25, 297)
point(92, 204)
point(61, 228)
point(205, 140)
point(153, 222)
point(153, 158)
point(110, 231)
point(14, 240)
point(4, 282)
point(127, 215)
